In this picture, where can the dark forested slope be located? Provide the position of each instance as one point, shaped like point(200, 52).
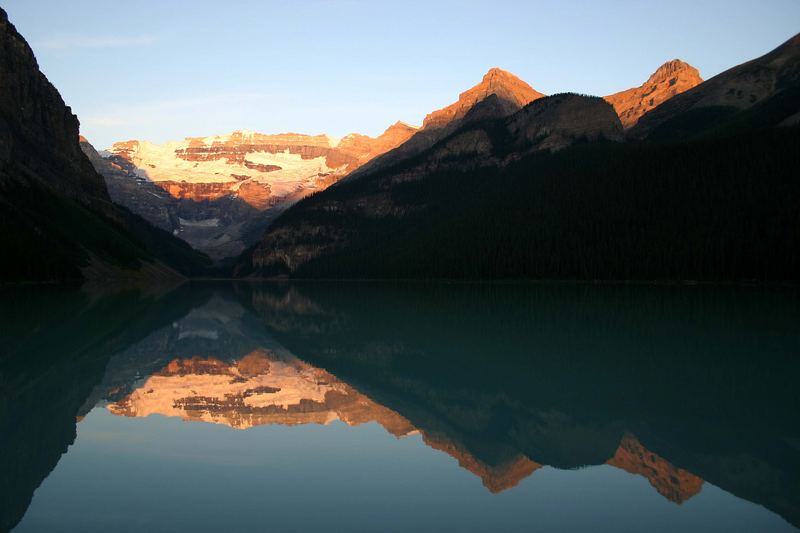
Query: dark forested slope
point(56, 218)
point(705, 188)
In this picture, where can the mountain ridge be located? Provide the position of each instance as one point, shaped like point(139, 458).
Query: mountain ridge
point(399, 216)
point(736, 90)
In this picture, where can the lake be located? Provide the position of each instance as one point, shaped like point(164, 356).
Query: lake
point(397, 407)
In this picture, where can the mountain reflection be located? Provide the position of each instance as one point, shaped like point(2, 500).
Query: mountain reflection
point(265, 388)
point(681, 386)
point(678, 384)
point(260, 388)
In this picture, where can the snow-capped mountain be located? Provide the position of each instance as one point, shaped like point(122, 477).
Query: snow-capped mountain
point(219, 192)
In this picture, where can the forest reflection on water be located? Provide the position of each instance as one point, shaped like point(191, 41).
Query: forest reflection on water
point(384, 406)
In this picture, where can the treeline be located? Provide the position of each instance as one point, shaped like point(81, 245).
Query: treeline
point(714, 209)
point(45, 236)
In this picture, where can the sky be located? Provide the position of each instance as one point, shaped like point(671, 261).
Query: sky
point(162, 70)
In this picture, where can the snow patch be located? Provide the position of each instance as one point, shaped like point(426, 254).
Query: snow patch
point(205, 223)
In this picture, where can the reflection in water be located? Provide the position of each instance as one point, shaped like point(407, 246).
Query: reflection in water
point(680, 385)
point(675, 484)
point(264, 388)
point(260, 388)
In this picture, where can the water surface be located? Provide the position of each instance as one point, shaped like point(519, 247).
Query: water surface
point(368, 407)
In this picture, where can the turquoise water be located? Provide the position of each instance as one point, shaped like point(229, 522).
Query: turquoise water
point(364, 407)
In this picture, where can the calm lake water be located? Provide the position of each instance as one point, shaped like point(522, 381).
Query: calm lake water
point(375, 407)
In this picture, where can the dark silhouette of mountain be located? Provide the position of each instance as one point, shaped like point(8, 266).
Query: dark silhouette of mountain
point(543, 194)
point(56, 218)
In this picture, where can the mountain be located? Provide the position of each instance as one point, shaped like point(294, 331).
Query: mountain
point(500, 93)
point(56, 217)
point(671, 78)
point(350, 213)
point(223, 191)
point(509, 89)
point(764, 92)
point(219, 193)
point(543, 193)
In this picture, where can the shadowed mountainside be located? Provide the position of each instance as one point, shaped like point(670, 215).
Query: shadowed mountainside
point(56, 218)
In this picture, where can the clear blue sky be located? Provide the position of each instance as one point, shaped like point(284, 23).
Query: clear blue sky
point(161, 70)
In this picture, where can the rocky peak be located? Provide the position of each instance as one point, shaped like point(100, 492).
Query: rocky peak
point(674, 67)
point(398, 127)
point(395, 134)
point(512, 91)
point(671, 78)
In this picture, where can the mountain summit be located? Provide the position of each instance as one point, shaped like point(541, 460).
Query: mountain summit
point(510, 90)
point(671, 78)
point(499, 94)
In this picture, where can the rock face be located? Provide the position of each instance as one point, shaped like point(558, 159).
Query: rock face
point(217, 193)
point(769, 83)
point(671, 78)
point(356, 149)
point(286, 163)
point(56, 218)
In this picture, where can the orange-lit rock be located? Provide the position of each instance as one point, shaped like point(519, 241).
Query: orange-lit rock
point(675, 484)
point(671, 78)
point(219, 187)
point(496, 478)
point(196, 191)
point(261, 388)
point(356, 149)
point(510, 90)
